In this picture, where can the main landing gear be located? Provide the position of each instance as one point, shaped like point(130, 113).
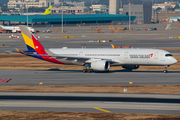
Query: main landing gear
point(165, 68)
point(88, 69)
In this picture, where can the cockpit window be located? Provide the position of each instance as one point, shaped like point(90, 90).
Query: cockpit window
point(167, 55)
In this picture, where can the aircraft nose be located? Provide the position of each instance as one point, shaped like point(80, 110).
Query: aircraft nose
point(174, 61)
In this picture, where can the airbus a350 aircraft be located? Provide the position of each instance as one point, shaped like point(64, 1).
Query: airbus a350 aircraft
point(95, 58)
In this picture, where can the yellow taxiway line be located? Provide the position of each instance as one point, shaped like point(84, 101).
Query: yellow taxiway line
point(102, 110)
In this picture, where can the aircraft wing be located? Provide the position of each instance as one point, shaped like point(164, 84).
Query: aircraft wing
point(77, 58)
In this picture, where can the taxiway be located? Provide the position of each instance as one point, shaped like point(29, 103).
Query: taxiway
point(76, 77)
point(90, 102)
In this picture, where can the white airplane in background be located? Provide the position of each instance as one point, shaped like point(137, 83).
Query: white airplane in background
point(97, 59)
point(15, 29)
point(173, 19)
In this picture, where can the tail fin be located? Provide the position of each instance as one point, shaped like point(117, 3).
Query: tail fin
point(34, 46)
point(48, 11)
point(31, 41)
point(114, 47)
point(1, 26)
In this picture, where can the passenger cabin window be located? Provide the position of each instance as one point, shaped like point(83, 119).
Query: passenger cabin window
point(167, 55)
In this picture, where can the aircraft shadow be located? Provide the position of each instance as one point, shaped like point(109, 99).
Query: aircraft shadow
point(111, 71)
point(90, 98)
point(61, 70)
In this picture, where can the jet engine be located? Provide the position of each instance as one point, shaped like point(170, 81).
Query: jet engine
point(100, 65)
point(14, 31)
point(130, 66)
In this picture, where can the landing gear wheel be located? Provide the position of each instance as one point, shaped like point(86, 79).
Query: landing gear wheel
point(165, 69)
point(84, 70)
point(89, 70)
point(87, 67)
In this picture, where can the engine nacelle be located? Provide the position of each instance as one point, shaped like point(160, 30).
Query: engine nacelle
point(14, 31)
point(130, 66)
point(100, 65)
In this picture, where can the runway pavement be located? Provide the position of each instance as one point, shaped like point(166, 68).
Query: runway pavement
point(76, 77)
point(90, 102)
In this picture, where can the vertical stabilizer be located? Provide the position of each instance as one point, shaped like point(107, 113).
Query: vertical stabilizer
point(48, 11)
point(35, 46)
point(30, 40)
point(1, 27)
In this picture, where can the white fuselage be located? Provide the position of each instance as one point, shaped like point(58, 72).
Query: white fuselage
point(15, 28)
point(118, 56)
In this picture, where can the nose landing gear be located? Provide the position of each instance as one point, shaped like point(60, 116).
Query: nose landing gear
point(165, 68)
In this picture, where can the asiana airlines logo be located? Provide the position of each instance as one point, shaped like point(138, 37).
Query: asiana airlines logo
point(141, 56)
point(151, 54)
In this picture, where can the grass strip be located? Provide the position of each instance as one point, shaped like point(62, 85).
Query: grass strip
point(139, 89)
point(39, 115)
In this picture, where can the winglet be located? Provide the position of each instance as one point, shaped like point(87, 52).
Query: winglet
point(114, 47)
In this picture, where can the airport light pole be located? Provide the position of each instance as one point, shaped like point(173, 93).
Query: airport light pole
point(152, 9)
point(129, 14)
point(155, 11)
point(121, 5)
point(62, 15)
point(27, 12)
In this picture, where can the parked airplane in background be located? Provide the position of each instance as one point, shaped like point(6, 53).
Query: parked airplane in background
point(173, 19)
point(95, 58)
point(15, 29)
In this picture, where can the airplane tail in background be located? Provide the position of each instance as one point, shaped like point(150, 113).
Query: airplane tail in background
point(48, 11)
point(1, 27)
point(114, 47)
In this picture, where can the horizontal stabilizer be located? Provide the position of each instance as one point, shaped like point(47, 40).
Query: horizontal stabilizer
point(19, 51)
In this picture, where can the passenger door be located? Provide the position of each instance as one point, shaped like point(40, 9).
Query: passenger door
point(81, 53)
point(156, 55)
point(126, 55)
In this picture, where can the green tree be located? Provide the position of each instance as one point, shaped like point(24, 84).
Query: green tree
point(177, 6)
point(4, 9)
point(3, 2)
point(158, 9)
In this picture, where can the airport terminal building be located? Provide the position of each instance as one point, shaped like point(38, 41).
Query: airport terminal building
point(67, 19)
point(142, 12)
